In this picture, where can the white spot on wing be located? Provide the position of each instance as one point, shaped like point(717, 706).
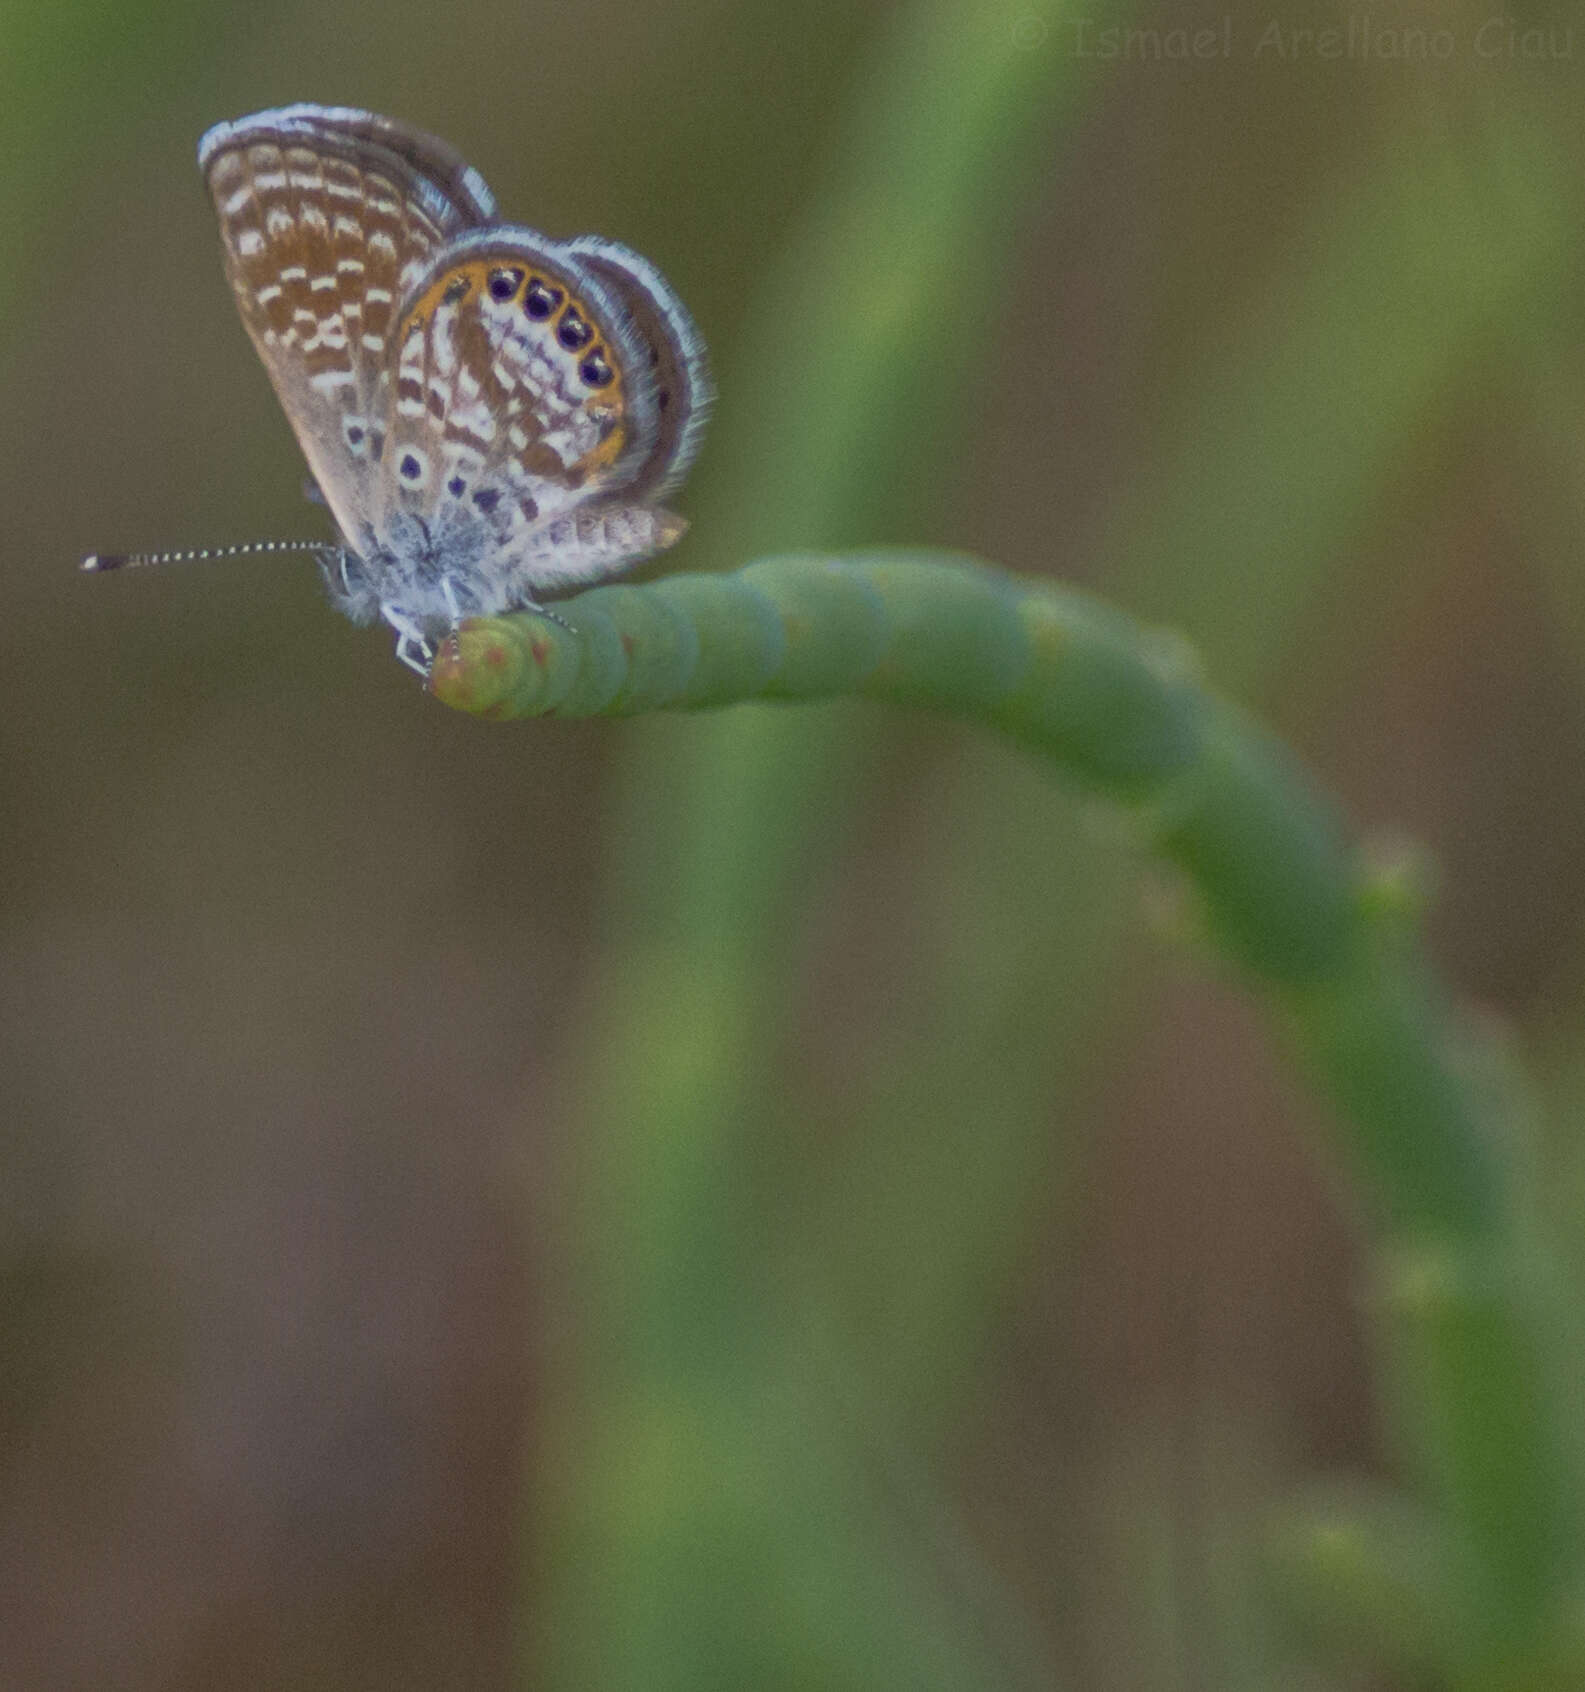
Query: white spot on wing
point(476, 419)
point(445, 340)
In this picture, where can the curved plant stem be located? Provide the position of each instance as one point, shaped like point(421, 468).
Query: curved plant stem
point(1120, 711)
point(1116, 710)
point(705, 1496)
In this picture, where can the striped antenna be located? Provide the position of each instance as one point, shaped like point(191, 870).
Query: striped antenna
point(99, 562)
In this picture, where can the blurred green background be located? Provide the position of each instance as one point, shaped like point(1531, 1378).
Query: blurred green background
point(764, 1199)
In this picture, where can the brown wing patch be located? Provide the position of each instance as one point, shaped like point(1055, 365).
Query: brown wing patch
point(319, 248)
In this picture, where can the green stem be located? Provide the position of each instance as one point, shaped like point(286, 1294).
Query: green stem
point(1117, 711)
point(1120, 712)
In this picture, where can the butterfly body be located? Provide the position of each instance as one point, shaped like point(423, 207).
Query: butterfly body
point(491, 416)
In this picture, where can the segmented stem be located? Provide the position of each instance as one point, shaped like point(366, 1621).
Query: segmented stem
point(1120, 710)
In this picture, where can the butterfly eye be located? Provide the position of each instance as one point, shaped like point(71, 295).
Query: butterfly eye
point(572, 331)
point(541, 299)
point(504, 284)
point(455, 289)
point(595, 370)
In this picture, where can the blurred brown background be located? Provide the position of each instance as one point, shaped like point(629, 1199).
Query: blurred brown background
point(294, 964)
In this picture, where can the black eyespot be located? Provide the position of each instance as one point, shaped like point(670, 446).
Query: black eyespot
point(354, 434)
point(529, 508)
point(456, 487)
point(596, 371)
point(411, 468)
point(487, 499)
point(455, 289)
point(504, 283)
point(572, 331)
point(541, 299)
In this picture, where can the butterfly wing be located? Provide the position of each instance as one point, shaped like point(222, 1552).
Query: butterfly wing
point(327, 217)
point(674, 350)
point(522, 392)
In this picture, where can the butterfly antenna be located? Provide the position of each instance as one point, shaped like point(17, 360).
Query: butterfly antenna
point(98, 562)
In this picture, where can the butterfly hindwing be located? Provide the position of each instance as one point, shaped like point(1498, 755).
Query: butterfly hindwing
point(520, 391)
point(674, 351)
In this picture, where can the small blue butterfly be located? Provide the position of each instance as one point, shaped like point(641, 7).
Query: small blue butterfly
point(490, 416)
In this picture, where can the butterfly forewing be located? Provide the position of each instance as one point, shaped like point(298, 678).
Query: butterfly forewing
point(323, 230)
point(435, 172)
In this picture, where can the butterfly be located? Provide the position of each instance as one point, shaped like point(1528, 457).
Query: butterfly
point(491, 416)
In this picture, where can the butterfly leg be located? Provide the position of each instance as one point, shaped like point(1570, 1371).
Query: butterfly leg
point(549, 615)
point(412, 645)
point(449, 592)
